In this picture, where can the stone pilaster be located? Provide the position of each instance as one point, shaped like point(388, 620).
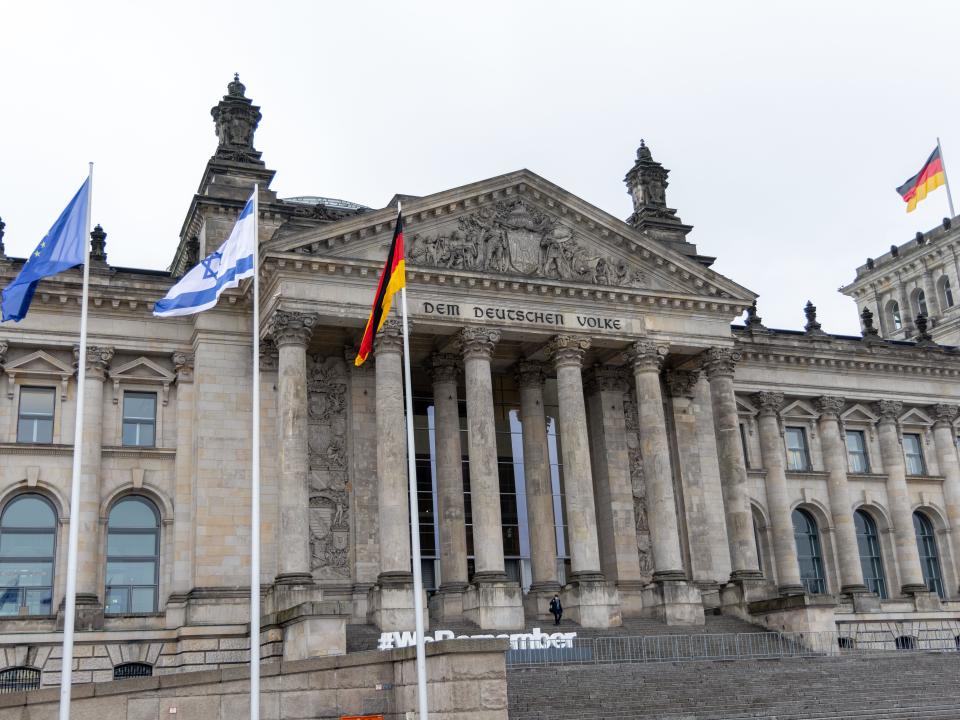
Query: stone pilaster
point(491, 601)
point(834, 447)
point(291, 331)
point(898, 497)
point(773, 456)
point(183, 497)
point(718, 363)
point(444, 370)
point(944, 444)
point(89, 601)
point(610, 461)
point(670, 598)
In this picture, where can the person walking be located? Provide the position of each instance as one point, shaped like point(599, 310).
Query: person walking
point(556, 609)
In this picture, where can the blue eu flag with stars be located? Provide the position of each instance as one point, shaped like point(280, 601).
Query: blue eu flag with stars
point(61, 249)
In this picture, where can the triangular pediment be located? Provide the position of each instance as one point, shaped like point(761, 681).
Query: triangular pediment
point(143, 370)
point(38, 363)
point(516, 227)
point(913, 416)
point(745, 407)
point(859, 414)
point(799, 409)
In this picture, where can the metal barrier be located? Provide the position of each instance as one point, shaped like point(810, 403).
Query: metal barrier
point(729, 646)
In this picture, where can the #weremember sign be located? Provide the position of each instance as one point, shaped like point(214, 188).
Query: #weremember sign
point(533, 640)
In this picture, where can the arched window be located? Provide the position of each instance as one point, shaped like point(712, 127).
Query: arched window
point(946, 292)
point(922, 303)
point(132, 669)
point(929, 557)
point(893, 308)
point(28, 529)
point(809, 555)
point(19, 679)
point(133, 556)
point(868, 542)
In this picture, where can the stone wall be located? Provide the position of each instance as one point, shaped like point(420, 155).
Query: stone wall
point(467, 681)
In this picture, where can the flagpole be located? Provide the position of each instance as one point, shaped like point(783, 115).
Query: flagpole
point(422, 710)
point(70, 600)
point(255, 484)
point(946, 180)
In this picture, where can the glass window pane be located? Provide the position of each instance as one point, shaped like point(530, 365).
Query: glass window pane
point(142, 600)
point(10, 601)
point(131, 573)
point(34, 430)
point(36, 401)
point(25, 574)
point(38, 601)
point(118, 600)
point(28, 511)
point(132, 513)
point(139, 406)
point(131, 545)
point(26, 544)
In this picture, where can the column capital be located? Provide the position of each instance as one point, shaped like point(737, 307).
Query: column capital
point(475, 341)
point(443, 367)
point(183, 364)
point(390, 337)
point(944, 414)
point(606, 378)
point(888, 410)
point(682, 383)
point(769, 402)
point(568, 350)
point(647, 355)
point(4, 346)
point(720, 362)
point(291, 328)
point(830, 406)
point(529, 373)
point(98, 359)
point(269, 354)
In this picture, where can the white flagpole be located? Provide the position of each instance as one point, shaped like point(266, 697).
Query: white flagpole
point(414, 514)
point(70, 601)
point(255, 490)
point(946, 180)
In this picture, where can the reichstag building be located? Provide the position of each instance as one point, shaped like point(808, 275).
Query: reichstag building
point(587, 422)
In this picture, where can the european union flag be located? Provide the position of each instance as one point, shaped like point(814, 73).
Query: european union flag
point(62, 249)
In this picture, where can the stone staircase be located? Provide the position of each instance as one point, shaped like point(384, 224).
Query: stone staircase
point(907, 686)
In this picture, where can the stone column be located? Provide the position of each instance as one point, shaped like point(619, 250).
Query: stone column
point(529, 377)
point(898, 497)
point(773, 456)
point(930, 293)
point(291, 332)
point(718, 364)
point(946, 449)
point(670, 599)
point(89, 606)
point(444, 370)
point(834, 447)
point(491, 602)
point(182, 575)
point(616, 522)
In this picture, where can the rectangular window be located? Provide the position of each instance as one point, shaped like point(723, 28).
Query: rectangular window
point(743, 442)
point(798, 459)
point(913, 454)
point(139, 419)
point(857, 459)
point(35, 422)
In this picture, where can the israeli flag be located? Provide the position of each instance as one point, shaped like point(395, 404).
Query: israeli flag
point(200, 288)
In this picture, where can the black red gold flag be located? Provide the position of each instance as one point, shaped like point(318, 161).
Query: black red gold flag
point(392, 279)
point(930, 177)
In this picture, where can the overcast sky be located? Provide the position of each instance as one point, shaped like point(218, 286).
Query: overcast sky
point(786, 126)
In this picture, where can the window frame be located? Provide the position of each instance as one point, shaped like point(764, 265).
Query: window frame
point(877, 583)
point(52, 390)
point(139, 421)
point(929, 561)
point(52, 558)
point(864, 450)
point(906, 457)
point(817, 584)
point(807, 465)
point(896, 318)
point(155, 558)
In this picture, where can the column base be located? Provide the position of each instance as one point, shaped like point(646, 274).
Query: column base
point(447, 603)
point(390, 605)
point(591, 602)
point(536, 602)
point(293, 579)
point(736, 596)
point(788, 590)
point(630, 595)
point(738, 575)
point(290, 590)
point(865, 602)
point(926, 601)
point(492, 603)
point(914, 589)
point(674, 602)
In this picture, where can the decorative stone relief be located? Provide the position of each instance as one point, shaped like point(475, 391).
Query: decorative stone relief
point(515, 239)
point(329, 513)
point(637, 481)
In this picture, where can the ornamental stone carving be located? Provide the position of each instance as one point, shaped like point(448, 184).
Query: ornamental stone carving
point(236, 119)
point(769, 403)
point(269, 355)
point(605, 378)
point(98, 359)
point(183, 364)
point(4, 346)
point(567, 350)
point(443, 367)
point(830, 406)
point(647, 355)
point(683, 383)
point(514, 238)
point(944, 414)
point(888, 410)
point(291, 328)
point(638, 483)
point(478, 341)
point(390, 337)
point(528, 373)
point(718, 362)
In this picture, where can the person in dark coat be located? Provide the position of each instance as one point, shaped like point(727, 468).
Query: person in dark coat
point(556, 609)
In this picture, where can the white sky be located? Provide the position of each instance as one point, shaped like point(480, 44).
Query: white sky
point(786, 125)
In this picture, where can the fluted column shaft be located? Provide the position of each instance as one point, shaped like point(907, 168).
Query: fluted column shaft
point(567, 354)
point(718, 365)
point(536, 472)
point(291, 332)
point(444, 370)
point(898, 497)
point(183, 529)
point(778, 496)
point(392, 490)
point(943, 441)
point(88, 514)
point(834, 448)
point(647, 358)
point(477, 345)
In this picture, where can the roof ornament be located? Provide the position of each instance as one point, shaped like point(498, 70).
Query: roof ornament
point(869, 332)
point(236, 119)
point(2, 226)
point(923, 339)
point(647, 186)
point(812, 327)
point(236, 88)
point(754, 322)
point(98, 245)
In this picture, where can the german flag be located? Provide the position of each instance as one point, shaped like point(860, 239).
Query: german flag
point(930, 177)
point(393, 277)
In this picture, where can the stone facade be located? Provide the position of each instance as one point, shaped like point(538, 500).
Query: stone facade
point(586, 419)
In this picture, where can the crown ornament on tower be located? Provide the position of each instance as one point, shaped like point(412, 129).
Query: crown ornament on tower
point(236, 119)
point(647, 185)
